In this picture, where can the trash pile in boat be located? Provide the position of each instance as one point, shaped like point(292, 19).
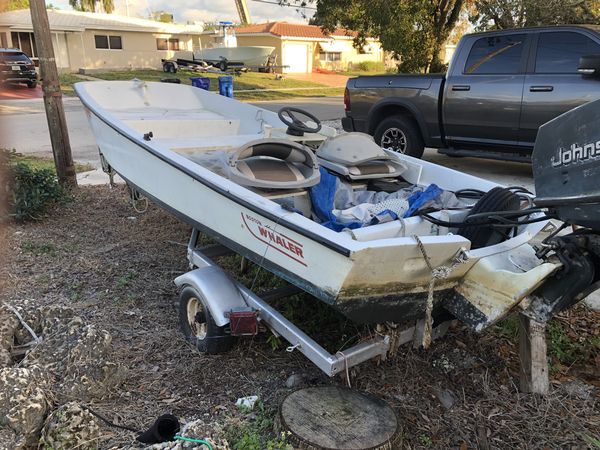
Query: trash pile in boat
point(49, 356)
point(337, 206)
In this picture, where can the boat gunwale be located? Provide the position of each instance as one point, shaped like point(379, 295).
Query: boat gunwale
point(342, 249)
point(215, 187)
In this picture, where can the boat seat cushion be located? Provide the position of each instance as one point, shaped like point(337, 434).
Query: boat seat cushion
point(357, 157)
point(274, 164)
point(367, 170)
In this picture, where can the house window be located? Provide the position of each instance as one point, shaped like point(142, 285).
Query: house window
point(108, 42)
point(24, 42)
point(167, 44)
point(115, 42)
point(162, 44)
point(3, 40)
point(330, 56)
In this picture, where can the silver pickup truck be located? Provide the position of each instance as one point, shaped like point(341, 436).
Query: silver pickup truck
point(500, 87)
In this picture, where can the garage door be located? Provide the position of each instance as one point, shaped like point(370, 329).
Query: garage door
point(296, 57)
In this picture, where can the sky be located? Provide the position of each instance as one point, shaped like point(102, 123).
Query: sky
point(203, 10)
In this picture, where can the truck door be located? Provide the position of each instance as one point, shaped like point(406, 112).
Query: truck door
point(483, 93)
point(552, 84)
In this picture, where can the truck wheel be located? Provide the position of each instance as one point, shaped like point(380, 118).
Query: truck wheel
point(198, 325)
point(31, 84)
point(223, 66)
point(401, 134)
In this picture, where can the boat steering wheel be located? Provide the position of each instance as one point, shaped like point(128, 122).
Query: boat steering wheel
point(297, 127)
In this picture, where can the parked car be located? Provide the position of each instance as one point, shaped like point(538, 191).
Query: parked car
point(16, 67)
point(499, 88)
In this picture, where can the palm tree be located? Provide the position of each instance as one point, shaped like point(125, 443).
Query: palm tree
point(107, 6)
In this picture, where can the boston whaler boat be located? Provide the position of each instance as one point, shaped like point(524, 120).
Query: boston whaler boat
point(380, 236)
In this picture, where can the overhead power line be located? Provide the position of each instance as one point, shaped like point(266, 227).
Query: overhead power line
point(286, 3)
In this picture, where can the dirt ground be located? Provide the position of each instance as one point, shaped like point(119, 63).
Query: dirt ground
point(115, 268)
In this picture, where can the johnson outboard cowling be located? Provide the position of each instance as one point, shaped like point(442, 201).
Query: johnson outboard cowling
point(566, 166)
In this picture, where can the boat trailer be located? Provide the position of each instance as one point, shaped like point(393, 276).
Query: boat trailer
point(214, 307)
point(237, 311)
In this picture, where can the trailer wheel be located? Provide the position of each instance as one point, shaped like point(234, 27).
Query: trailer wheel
point(198, 326)
point(222, 66)
point(169, 68)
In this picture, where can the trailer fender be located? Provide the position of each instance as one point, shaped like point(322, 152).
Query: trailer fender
point(217, 289)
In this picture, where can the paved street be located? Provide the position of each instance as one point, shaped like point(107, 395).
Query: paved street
point(325, 108)
point(28, 133)
point(25, 121)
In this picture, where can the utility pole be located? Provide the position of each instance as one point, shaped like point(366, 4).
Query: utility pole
point(55, 113)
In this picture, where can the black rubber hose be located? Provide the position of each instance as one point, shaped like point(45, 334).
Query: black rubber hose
point(496, 200)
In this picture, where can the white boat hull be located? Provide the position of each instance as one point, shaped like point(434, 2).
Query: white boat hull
point(249, 56)
point(370, 280)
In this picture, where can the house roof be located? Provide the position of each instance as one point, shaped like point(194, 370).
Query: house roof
point(61, 20)
point(294, 30)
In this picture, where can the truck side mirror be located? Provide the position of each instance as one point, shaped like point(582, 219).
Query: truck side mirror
point(589, 66)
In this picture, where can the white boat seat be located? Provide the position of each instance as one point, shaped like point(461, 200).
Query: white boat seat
point(371, 169)
point(357, 157)
point(274, 164)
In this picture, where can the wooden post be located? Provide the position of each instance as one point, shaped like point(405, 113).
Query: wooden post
point(532, 353)
point(55, 113)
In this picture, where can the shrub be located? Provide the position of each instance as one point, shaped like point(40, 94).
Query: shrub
point(29, 191)
point(370, 66)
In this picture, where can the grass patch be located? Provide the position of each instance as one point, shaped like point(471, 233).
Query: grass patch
point(568, 350)
point(39, 163)
point(564, 348)
point(126, 279)
point(67, 80)
point(257, 433)
point(243, 82)
point(38, 249)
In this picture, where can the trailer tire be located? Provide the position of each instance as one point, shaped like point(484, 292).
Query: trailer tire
point(402, 134)
point(497, 199)
point(222, 66)
point(198, 325)
point(169, 67)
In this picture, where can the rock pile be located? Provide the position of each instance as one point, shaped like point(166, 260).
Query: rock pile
point(71, 361)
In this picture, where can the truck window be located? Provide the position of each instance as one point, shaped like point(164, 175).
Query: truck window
point(559, 52)
point(496, 55)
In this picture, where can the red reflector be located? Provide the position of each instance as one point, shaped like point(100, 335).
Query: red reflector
point(243, 323)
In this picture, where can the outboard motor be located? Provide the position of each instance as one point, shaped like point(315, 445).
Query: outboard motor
point(566, 168)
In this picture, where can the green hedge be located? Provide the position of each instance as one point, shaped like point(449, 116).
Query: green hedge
point(28, 190)
point(369, 66)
